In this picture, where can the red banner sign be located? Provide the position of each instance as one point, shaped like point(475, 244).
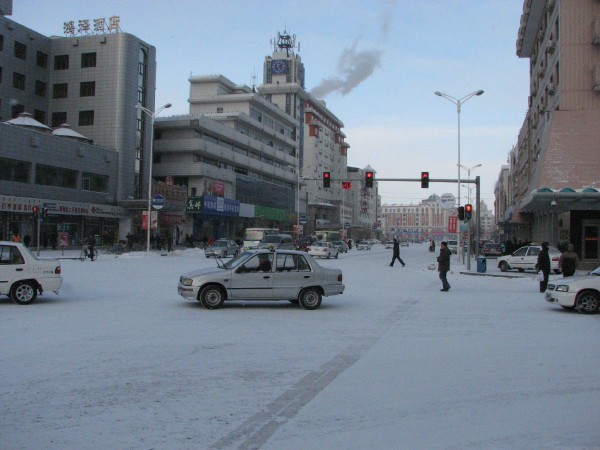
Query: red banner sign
point(452, 224)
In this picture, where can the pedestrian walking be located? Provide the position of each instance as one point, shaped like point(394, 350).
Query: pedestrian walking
point(444, 265)
point(543, 266)
point(396, 254)
point(169, 242)
point(569, 261)
point(16, 238)
point(27, 240)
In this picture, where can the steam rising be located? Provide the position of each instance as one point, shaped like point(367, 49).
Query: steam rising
point(354, 67)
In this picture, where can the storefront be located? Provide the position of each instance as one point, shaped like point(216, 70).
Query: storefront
point(70, 222)
point(213, 217)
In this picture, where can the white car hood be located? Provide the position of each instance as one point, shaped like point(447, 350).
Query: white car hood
point(202, 272)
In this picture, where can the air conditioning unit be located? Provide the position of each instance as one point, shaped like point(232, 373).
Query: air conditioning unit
point(597, 87)
point(551, 47)
point(551, 89)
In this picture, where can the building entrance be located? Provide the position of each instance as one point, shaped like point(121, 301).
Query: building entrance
point(591, 242)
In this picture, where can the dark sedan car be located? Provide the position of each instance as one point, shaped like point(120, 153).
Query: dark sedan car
point(491, 249)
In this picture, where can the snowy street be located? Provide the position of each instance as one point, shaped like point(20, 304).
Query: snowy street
point(119, 360)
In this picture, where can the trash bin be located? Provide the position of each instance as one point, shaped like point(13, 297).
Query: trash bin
point(481, 264)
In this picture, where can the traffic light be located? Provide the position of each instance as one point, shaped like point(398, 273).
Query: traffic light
point(468, 211)
point(346, 185)
point(425, 180)
point(44, 213)
point(369, 179)
point(461, 213)
point(326, 179)
point(35, 212)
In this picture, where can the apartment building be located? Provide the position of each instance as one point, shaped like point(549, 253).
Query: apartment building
point(552, 186)
point(425, 220)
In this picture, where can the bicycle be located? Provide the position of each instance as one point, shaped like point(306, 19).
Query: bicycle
point(84, 255)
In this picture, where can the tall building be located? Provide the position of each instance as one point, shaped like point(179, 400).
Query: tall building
point(553, 170)
point(90, 79)
point(321, 139)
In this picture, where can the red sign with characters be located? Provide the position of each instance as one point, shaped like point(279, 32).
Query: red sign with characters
point(452, 224)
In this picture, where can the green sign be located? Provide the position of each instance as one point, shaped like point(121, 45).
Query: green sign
point(194, 204)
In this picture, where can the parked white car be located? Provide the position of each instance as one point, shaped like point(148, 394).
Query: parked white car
point(525, 258)
point(579, 292)
point(23, 275)
point(363, 245)
point(263, 275)
point(389, 244)
point(323, 249)
point(222, 248)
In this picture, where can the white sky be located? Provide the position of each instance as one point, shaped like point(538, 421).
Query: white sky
point(119, 360)
point(393, 121)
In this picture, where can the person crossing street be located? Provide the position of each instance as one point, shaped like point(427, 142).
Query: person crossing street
point(396, 254)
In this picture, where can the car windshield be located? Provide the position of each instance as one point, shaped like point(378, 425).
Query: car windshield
point(237, 260)
point(272, 239)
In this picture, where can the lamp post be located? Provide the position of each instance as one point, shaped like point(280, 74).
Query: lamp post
point(152, 115)
point(469, 169)
point(458, 102)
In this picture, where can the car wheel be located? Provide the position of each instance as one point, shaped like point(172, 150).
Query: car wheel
point(212, 297)
point(504, 266)
point(556, 271)
point(521, 270)
point(224, 255)
point(23, 293)
point(235, 253)
point(336, 255)
point(310, 298)
point(587, 302)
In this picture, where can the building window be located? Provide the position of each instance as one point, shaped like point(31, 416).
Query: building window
point(42, 59)
point(14, 170)
point(61, 62)
point(1, 42)
point(60, 90)
point(58, 118)
point(87, 89)
point(15, 110)
point(39, 115)
point(94, 182)
point(0, 74)
point(20, 50)
point(18, 81)
point(40, 88)
point(86, 118)
point(88, 60)
point(55, 176)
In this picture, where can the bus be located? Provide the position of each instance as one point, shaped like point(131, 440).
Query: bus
point(328, 235)
point(252, 236)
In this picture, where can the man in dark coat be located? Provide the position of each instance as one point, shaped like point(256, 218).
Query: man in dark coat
point(444, 265)
point(396, 254)
point(569, 260)
point(543, 265)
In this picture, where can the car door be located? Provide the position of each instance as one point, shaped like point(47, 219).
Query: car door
point(518, 258)
point(12, 265)
point(292, 273)
point(250, 282)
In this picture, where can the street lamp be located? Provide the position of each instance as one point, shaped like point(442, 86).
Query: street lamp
point(152, 115)
point(469, 170)
point(458, 102)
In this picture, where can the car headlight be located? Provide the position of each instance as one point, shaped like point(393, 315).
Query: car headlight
point(562, 288)
point(186, 281)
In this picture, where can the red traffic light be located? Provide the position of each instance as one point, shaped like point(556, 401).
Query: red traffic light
point(424, 179)
point(468, 211)
point(369, 179)
point(326, 179)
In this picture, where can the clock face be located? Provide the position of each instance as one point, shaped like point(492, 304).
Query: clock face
point(279, 66)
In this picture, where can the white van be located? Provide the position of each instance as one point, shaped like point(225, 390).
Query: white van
point(278, 241)
point(252, 236)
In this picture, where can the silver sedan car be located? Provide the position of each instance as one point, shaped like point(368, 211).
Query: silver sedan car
point(222, 248)
point(263, 275)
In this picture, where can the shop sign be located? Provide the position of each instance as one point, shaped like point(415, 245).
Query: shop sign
point(194, 204)
point(221, 206)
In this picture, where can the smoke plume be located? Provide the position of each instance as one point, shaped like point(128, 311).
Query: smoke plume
point(353, 68)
